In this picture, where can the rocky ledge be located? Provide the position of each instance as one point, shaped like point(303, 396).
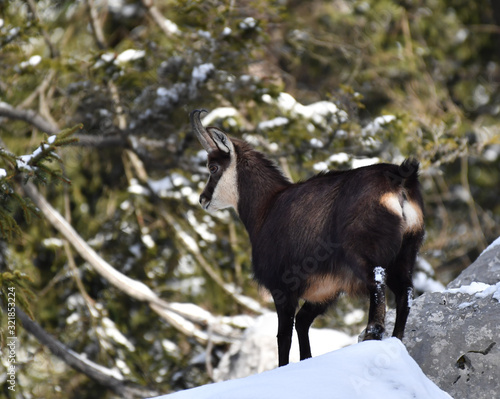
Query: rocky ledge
point(454, 335)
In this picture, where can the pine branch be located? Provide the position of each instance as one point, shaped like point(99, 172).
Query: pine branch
point(28, 116)
point(20, 282)
point(39, 122)
point(33, 166)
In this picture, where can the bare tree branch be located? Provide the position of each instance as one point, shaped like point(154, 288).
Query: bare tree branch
point(133, 288)
point(102, 375)
point(39, 122)
point(88, 140)
point(40, 89)
point(156, 16)
point(229, 289)
point(30, 117)
point(53, 51)
point(96, 26)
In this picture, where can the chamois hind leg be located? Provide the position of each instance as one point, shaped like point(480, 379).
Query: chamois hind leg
point(400, 281)
point(306, 315)
point(376, 315)
point(285, 309)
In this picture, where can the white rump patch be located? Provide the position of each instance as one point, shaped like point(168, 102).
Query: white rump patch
point(391, 202)
point(409, 210)
point(412, 215)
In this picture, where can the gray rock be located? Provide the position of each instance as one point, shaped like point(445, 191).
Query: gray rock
point(485, 269)
point(454, 336)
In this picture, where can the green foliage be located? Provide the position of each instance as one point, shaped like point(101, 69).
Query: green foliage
point(33, 167)
point(16, 283)
point(21, 283)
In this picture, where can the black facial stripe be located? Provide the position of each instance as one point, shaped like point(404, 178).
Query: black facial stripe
point(208, 191)
point(221, 159)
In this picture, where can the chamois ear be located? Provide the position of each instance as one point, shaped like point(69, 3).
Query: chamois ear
point(220, 139)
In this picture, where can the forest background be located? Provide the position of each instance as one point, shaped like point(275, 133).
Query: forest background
point(316, 84)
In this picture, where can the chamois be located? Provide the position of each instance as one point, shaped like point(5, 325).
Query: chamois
point(352, 232)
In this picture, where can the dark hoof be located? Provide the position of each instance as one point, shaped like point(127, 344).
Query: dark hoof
point(375, 332)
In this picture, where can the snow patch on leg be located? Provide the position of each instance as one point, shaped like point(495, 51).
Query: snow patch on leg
point(379, 273)
point(410, 297)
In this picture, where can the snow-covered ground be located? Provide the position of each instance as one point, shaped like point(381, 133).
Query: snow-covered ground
point(257, 350)
point(371, 369)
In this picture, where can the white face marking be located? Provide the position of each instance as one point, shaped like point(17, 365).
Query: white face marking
point(226, 194)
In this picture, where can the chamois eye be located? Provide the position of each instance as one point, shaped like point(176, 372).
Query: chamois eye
point(213, 169)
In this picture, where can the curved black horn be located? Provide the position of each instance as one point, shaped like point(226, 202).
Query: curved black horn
point(200, 131)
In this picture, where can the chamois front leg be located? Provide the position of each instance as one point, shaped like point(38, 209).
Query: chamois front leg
point(286, 315)
point(376, 316)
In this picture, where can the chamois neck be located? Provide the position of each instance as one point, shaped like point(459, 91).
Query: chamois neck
point(259, 183)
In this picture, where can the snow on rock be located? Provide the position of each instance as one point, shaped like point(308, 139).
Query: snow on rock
point(423, 283)
point(479, 290)
point(372, 369)
point(494, 244)
point(423, 277)
point(470, 289)
point(486, 269)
